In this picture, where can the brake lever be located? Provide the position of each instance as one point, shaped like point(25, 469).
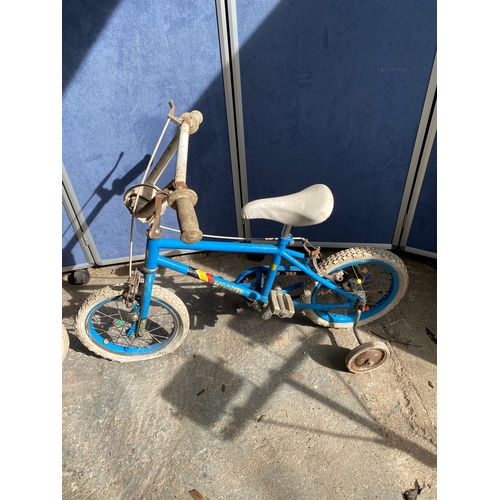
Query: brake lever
point(171, 113)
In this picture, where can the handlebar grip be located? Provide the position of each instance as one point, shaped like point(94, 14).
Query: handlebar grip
point(194, 119)
point(183, 201)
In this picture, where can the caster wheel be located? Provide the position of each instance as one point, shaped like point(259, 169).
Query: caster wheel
point(366, 357)
point(79, 277)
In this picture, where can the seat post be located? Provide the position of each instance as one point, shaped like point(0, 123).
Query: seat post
point(285, 232)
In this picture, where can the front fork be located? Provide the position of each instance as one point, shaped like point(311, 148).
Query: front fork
point(139, 313)
point(149, 278)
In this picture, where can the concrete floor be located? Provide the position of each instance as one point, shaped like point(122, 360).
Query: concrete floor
point(247, 408)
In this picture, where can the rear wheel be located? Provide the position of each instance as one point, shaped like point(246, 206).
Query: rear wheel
point(106, 325)
point(375, 274)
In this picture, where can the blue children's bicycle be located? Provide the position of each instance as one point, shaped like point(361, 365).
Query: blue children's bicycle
point(140, 320)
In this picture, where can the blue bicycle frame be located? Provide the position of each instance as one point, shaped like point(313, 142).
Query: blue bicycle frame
point(183, 200)
point(279, 251)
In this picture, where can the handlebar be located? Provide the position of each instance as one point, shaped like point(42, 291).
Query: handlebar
point(183, 199)
point(179, 197)
point(190, 123)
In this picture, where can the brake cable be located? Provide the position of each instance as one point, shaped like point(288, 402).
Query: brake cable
point(131, 238)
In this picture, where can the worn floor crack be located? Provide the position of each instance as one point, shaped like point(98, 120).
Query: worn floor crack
point(402, 373)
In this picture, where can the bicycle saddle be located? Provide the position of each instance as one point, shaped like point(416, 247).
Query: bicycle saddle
point(305, 208)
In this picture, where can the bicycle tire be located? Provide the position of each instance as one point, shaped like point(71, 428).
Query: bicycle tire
point(384, 280)
point(103, 325)
point(65, 342)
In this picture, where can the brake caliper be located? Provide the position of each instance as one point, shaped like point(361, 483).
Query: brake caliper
point(131, 288)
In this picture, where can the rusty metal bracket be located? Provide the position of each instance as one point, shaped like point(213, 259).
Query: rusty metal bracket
point(154, 232)
point(314, 256)
point(171, 113)
point(316, 252)
point(179, 185)
point(132, 287)
point(360, 307)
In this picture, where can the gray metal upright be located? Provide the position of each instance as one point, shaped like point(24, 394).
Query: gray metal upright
point(418, 167)
point(80, 228)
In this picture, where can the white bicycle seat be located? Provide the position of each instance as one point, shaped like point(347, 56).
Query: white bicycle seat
point(310, 206)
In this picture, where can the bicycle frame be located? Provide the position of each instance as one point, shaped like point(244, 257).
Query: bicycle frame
point(279, 251)
point(183, 200)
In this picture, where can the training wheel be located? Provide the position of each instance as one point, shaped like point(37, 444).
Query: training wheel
point(366, 357)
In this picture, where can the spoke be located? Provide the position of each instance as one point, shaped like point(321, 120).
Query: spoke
point(160, 327)
point(156, 337)
point(118, 309)
point(101, 331)
point(120, 337)
point(355, 272)
point(105, 315)
point(157, 311)
point(104, 333)
point(119, 328)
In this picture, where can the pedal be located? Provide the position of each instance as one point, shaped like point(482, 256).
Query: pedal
point(281, 304)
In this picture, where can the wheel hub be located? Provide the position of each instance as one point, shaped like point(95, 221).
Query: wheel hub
point(369, 358)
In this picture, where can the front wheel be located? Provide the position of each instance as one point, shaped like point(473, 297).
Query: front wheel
point(377, 275)
point(107, 326)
